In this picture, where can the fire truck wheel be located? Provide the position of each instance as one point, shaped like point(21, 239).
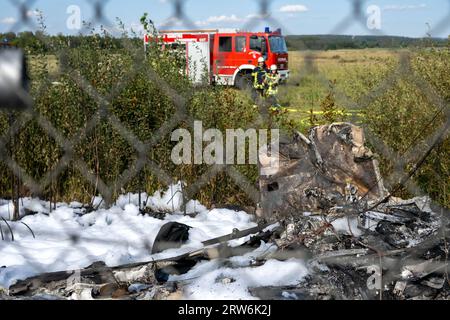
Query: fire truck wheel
point(244, 81)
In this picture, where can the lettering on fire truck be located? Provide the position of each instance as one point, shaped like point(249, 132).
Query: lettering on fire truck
point(226, 57)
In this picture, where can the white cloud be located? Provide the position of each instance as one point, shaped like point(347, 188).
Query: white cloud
point(136, 26)
point(8, 20)
point(396, 7)
point(223, 19)
point(133, 28)
point(257, 16)
point(293, 8)
point(12, 20)
point(33, 13)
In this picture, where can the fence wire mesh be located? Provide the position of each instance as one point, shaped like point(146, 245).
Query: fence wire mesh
point(406, 163)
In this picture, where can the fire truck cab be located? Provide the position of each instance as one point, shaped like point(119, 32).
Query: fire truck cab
point(228, 57)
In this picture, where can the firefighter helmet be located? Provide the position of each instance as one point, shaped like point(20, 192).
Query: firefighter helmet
point(261, 59)
point(274, 67)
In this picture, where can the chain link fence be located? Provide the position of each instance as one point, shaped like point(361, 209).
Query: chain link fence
point(414, 154)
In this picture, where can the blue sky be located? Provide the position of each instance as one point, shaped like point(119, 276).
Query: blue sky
point(400, 17)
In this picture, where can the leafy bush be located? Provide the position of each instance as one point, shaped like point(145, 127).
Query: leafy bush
point(407, 114)
point(141, 104)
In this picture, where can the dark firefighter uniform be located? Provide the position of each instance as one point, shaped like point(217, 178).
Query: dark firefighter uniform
point(272, 81)
point(258, 75)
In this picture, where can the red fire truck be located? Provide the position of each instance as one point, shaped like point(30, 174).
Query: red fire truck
point(227, 57)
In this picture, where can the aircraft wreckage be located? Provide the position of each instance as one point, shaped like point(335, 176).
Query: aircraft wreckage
point(325, 204)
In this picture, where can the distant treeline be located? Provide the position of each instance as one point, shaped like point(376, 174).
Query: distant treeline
point(335, 42)
point(33, 42)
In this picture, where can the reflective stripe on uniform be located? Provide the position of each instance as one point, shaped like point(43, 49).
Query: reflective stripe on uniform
point(258, 78)
point(272, 81)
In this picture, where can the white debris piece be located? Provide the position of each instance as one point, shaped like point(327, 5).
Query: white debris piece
point(66, 240)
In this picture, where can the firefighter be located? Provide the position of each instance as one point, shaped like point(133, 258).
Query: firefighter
point(272, 81)
point(259, 75)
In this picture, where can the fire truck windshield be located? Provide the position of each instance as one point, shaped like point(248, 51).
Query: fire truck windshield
point(278, 44)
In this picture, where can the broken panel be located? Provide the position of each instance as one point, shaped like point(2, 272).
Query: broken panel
point(331, 168)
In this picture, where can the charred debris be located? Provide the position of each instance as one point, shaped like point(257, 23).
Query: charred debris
point(326, 204)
